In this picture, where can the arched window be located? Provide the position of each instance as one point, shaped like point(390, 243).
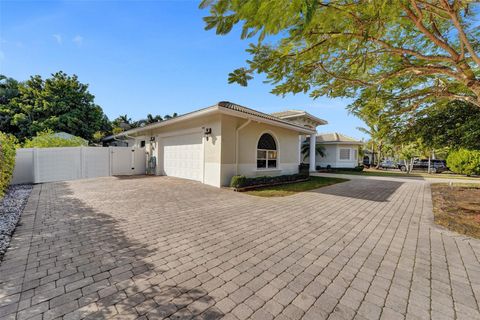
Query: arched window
point(266, 152)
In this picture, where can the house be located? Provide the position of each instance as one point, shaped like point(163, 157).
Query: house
point(68, 136)
point(213, 144)
point(340, 151)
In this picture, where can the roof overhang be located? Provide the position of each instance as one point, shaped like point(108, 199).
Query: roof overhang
point(308, 116)
point(340, 142)
point(226, 108)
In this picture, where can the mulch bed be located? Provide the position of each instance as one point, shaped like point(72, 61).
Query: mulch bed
point(11, 207)
point(457, 208)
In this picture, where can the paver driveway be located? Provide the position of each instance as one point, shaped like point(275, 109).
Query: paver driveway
point(157, 247)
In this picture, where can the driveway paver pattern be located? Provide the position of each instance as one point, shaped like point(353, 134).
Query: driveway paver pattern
point(166, 248)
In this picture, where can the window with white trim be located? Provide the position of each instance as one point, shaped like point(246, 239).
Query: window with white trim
point(344, 154)
point(266, 152)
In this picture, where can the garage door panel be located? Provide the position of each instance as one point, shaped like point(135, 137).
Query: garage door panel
point(183, 156)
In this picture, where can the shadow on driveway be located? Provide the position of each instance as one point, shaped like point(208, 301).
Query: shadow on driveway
point(103, 271)
point(363, 189)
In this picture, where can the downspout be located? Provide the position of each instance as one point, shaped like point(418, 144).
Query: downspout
point(236, 143)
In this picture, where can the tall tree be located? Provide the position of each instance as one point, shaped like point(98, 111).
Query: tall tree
point(8, 91)
point(379, 123)
point(452, 126)
point(59, 103)
point(416, 52)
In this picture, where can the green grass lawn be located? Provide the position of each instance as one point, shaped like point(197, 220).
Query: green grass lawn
point(386, 173)
point(283, 190)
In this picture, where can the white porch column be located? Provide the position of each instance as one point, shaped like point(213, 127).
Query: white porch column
point(313, 153)
point(300, 140)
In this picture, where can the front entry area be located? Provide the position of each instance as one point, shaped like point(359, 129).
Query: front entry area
point(183, 156)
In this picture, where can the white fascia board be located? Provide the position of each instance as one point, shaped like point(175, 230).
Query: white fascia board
point(267, 121)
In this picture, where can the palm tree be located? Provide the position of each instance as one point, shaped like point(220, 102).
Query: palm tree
point(153, 119)
point(320, 150)
point(168, 117)
point(379, 125)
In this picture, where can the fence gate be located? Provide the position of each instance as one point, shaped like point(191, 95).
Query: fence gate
point(36, 165)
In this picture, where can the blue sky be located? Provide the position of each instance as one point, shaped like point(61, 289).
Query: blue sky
point(142, 57)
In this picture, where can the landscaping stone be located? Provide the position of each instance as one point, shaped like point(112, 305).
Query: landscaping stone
point(11, 207)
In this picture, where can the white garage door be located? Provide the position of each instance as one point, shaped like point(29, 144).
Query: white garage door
point(183, 156)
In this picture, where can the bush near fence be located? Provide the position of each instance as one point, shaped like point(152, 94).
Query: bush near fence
point(464, 161)
point(7, 160)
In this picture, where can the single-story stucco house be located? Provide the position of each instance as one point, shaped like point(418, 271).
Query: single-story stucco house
point(213, 144)
point(340, 151)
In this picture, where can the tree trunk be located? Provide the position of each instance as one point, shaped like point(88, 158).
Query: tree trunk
point(429, 164)
point(373, 156)
point(379, 155)
point(411, 166)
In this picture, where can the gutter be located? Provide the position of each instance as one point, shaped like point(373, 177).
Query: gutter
point(236, 143)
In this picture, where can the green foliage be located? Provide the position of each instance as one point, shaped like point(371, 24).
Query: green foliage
point(48, 139)
point(410, 53)
point(59, 103)
point(238, 181)
point(243, 182)
point(456, 125)
point(305, 150)
point(464, 161)
point(355, 169)
point(124, 123)
point(8, 91)
point(380, 124)
point(7, 160)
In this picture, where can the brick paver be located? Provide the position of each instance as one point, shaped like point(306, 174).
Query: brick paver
point(159, 247)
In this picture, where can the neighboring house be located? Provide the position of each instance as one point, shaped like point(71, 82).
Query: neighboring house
point(370, 158)
point(68, 136)
point(118, 141)
point(213, 144)
point(340, 151)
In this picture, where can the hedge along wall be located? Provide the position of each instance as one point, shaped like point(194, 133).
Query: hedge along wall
point(7, 160)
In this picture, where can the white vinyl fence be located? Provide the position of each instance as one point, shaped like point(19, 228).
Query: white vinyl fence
point(36, 165)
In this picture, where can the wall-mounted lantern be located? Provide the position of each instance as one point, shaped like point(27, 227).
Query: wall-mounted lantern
point(207, 132)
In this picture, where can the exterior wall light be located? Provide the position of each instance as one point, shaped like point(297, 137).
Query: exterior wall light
point(207, 132)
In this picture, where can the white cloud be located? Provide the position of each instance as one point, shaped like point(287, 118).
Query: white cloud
point(58, 38)
point(78, 40)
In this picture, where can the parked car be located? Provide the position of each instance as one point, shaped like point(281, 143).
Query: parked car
point(436, 166)
point(388, 164)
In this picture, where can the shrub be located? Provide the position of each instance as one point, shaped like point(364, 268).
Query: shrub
point(48, 139)
point(7, 160)
point(242, 181)
point(356, 169)
point(238, 181)
point(304, 169)
point(464, 161)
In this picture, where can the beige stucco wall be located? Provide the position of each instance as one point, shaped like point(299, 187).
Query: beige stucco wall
point(220, 149)
point(212, 147)
point(287, 145)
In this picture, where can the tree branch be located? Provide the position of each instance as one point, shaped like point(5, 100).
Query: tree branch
point(333, 75)
point(411, 15)
point(424, 70)
point(399, 51)
point(461, 32)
